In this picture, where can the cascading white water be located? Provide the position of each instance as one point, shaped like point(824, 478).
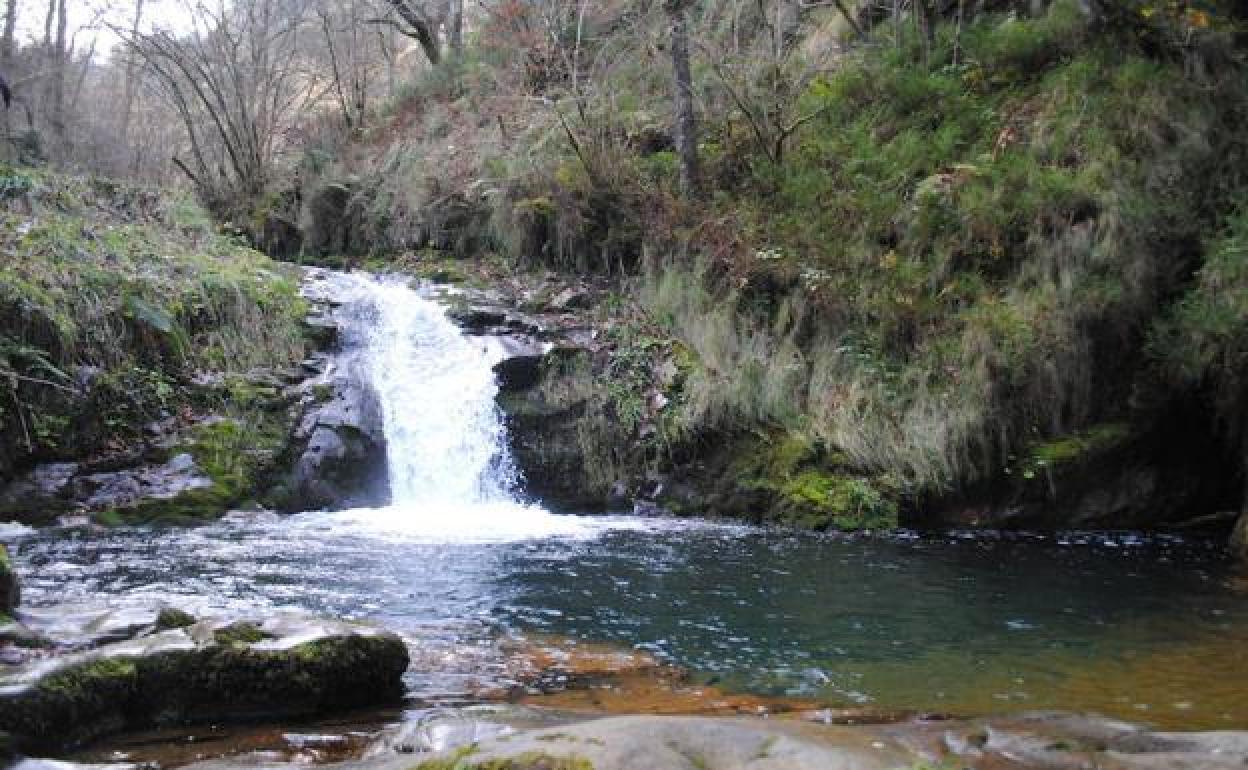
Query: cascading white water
point(451, 473)
point(445, 437)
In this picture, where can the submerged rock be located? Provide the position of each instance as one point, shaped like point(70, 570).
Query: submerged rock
point(213, 670)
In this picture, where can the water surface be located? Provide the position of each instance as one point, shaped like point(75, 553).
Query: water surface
point(1149, 629)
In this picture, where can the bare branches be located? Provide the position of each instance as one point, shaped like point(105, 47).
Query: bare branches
point(419, 27)
point(235, 82)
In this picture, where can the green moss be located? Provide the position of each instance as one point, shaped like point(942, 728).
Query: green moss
point(84, 683)
point(322, 393)
point(241, 634)
point(1092, 441)
point(807, 486)
point(820, 500)
point(456, 760)
point(171, 618)
point(533, 760)
point(109, 518)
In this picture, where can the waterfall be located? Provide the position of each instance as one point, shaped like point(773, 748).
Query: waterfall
point(445, 437)
point(450, 468)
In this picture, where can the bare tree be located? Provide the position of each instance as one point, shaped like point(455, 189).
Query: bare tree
point(236, 83)
point(8, 43)
point(421, 23)
point(127, 101)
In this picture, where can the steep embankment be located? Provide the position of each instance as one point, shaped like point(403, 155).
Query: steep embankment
point(992, 278)
point(142, 353)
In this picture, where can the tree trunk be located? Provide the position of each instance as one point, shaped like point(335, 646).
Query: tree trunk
point(8, 44)
point(127, 98)
point(60, 61)
point(421, 29)
point(455, 27)
point(686, 120)
point(927, 31)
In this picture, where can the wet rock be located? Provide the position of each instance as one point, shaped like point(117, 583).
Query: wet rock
point(1062, 741)
point(323, 332)
point(84, 625)
point(620, 743)
point(477, 320)
point(129, 488)
point(279, 237)
point(339, 450)
point(521, 365)
point(27, 763)
point(10, 592)
point(41, 494)
point(327, 226)
point(280, 666)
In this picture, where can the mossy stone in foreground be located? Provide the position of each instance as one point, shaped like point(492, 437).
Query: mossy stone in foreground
point(207, 672)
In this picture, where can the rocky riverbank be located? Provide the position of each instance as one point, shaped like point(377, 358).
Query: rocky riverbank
point(597, 408)
point(513, 738)
point(73, 674)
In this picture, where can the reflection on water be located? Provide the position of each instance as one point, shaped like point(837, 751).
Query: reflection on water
point(1143, 629)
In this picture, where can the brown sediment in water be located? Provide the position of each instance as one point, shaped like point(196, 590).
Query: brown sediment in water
point(1147, 683)
point(590, 677)
point(313, 742)
point(1198, 681)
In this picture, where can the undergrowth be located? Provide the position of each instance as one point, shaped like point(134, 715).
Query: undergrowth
point(958, 260)
point(112, 301)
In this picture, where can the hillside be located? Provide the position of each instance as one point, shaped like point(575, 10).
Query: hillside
point(126, 322)
point(993, 278)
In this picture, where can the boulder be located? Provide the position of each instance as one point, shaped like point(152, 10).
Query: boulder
point(10, 593)
point(131, 487)
point(696, 743)
point(83, 625)
point(520, 367)
point(281, 666)
point(543, 424)
point(41, 494)
point(477, 320)
point(338, 451)
point(326, 227)
point(322, 332)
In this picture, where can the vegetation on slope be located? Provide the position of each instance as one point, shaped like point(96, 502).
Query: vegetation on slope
point(121, 307)
point(927, 263)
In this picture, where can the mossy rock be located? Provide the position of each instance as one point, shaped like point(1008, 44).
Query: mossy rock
point(76, 703)
point(529, 760)
point(787, 478)
point(279, 668)
point(822, 500)
point(170, 618)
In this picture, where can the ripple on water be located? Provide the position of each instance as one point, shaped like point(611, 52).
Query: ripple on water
point(1134, 627)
